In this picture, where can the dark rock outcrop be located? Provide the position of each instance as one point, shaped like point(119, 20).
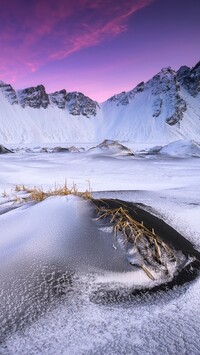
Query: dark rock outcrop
point(112, 147)
point(157, 107)
point(179, 108)
point(59, 98)
point(190, 78)
point(75, 102)
point(79, 104)
point(35, 97)
point(166, 88)
point(71, 149)
point(4, 150)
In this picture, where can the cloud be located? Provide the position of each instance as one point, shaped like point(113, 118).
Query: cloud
point(96, 34)
point(36, 32)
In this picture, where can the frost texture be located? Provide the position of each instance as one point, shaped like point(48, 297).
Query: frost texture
point(69, 315)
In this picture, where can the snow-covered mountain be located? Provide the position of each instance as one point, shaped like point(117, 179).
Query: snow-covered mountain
point(162, 110)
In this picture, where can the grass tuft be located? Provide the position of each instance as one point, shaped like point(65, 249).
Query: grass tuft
point(5, 194)
point(149, 245)
point(37, 194)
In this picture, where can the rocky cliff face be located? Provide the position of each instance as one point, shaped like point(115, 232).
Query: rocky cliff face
point(9, 93)
point(165, 89)
point(190, 78)
point(59, 98)
point(78, 104)
point(75, 102)
point(35, 97)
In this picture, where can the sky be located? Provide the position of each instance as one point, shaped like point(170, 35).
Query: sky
point(98, 47)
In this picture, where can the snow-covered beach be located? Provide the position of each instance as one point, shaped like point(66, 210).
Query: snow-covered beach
point(86, 313)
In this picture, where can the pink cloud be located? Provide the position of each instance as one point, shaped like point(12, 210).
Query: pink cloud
point(94, 35)
point(43, 31)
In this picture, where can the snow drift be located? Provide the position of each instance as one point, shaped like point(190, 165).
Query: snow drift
point(180, 148)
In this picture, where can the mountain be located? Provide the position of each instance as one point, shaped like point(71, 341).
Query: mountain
point(162, 110)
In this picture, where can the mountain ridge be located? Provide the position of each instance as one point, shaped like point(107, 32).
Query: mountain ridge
point(167, 105)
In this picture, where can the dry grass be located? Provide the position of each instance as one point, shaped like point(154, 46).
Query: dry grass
point(4, 194)
point(19, 188)
point(37, 194)
point(146, 241)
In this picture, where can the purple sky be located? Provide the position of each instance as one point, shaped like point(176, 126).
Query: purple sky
point(98, 47)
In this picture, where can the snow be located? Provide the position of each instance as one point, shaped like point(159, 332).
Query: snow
point(30, 125)
point(116, 329)
point(138, 116)
point(181, 148)
point(95, 314)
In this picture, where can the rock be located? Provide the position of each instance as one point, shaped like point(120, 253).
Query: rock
point(190, 79)
point(59, 98)
point(120, 99)
point(157, 106)
point(75, 102)
point(79, 104)
point(179, 108)
point(111, 147)
point(4, 150)
point(35, 97)
point(65, 150)
point(9, 93)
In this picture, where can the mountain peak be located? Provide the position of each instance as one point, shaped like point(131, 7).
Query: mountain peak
point(75, 102)
point(35, 97)
point(167, 70)
point(2, 83)
point(197, 66)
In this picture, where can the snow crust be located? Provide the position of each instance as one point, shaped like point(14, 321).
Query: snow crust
point(79, 322)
